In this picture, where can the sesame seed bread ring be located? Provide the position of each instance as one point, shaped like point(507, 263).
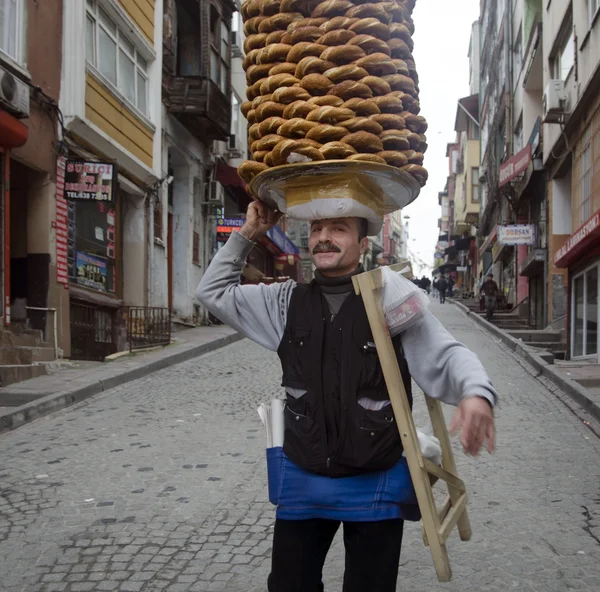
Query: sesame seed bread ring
point(252, 25)
point(331, 8)
point(394, 140)
point(270, 125)
point(285, 148)
point(348, 72)
point(418, 172)
point(255, 42)
point(272, 83)
point(377, 64)
point(283, 68)
point(394, 158)
point(269, 109)
point(399, 82)
point(267, 142)
point(295, 128)
point(307, 22)
point(336, 38)
point(249, 169)
point(422, 125)
point(370, 10)
point(370, 44)
point(415, 140)
point(400, 31)
point(261, 99)
point(345, 54)
point(254, 132)
point(249, 9)
point(326, 100)
point(412, 121)
point(298, 109)
point(350, 89)
point(366, 158)
point(364, 142)
point(250, 58)
point(245, 108)
point(305, 49)
point(253, 91)
point(271, 54)
point(399, 48)
point(257, 72)
point(389, 121)
point(397, 12)
point(274, 37)
point(269, 159)
point(251, 117)
point(304, 6)
point(312, 65)
point(414, 157)
point(362, 124)
point(328, 114)
point(269, 7)
point(401, 67)
point(259, 156)
point(316, 84)
point(279, 22)
point(406, 99)
point(290, 94)
point(324, 133)
point(389, 104)
point(300, 34)
point(336, 150)
point(337, 22)
point(377, 85)
point(371, 26)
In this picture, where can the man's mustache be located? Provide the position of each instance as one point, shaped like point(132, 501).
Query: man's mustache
point(327, 247)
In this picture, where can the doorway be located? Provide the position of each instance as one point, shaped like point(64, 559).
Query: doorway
point(584, 314)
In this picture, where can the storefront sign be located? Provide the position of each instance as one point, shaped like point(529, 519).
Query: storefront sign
point(92, 272)
point(62, 233)
point(229, 225)
point(516, 234)
point(514, 166)
point(578, 241)
point(89, 181)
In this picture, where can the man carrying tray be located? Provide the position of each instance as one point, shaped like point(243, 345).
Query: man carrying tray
point(338, 418)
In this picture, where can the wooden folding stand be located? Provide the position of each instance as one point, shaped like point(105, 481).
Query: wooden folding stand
point(437, 524)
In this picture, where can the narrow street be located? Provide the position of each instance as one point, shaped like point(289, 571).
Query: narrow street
point(161, 485)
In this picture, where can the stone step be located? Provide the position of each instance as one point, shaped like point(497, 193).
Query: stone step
point(28, 339)
point(10, 374)
point(551, 345)
point(20, 355)
point(591, 383)
point(533, 335)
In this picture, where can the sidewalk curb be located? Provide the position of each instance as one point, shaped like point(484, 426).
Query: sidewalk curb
point(581, 395)
point(19, 416)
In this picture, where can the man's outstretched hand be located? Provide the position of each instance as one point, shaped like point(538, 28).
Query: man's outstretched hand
point(474, 418)
point(259, 219)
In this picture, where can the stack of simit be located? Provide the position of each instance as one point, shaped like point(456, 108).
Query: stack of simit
point(332, 79)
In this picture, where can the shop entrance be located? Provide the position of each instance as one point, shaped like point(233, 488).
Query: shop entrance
point(584, 314)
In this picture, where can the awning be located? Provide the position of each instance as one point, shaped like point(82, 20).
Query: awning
point(228, 175)
point(487, 243)
point(13, 133)
point(534, 263)
point(579, 242)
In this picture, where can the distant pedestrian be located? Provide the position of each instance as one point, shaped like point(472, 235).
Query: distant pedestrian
point(490, 290)
point(442, 286)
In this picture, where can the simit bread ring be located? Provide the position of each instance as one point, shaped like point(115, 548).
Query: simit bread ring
point(336, 150)
point(305, 49)
point(300, 34)
point(249, 9)
point(389, 121)
point(259, 156)
point(414, 157)
point(245, 108)
point(369, 10)
point(266, 143)
point(399, 82)
point(316, 84)
point(307, 22)
point(269, 7)
point(298, 109)
point(271, 54)
point(399, 48)
point(389, 103)
point(272, 83)
point(345, 54)
point(400, 31)
point(270, 125)
point(371, 26)
point(275, 37)
point(312, 65)
point(366, 157)
point(396, 11)
point(251, 117)
point(269, 159)
point(290, 94)
point(377, 64)
point(260, 100)
point(304, 6)
point(285, 148)
point(370, 44)
point(401, 67)
point(269, 109)
point(251, 25)
point(377, 85)
point(337, 22)
point(324, 133)
point(336, 38)
point(257, 72)
point(296, 128)
point(250, 58)
point(329, 114)
point(279, 22)
point(394, 140)
point(364, 142)
point(255, 42)
point(283, 68)
point(331, 8)
point(362, 124)
point(326, 100)
point(362, 107)
point(249, 169)
point(418, 172)
point(394, 157)
point(253, 91)
point(412, 121)
point(347, 72)
point(350, 89)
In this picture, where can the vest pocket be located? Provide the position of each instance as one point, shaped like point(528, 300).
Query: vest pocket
point(302, 441)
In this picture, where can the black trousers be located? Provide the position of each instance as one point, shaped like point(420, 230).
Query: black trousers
point(300, 548)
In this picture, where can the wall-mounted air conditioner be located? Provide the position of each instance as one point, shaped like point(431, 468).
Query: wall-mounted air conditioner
point(554, 102)
point(216, 194)
point(14, 94)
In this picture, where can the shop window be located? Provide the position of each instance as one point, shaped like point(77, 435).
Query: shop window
point(563, 58)
point(115, 57)
point(584, 314)
point(220, 51)
point(586, 177)
point(12, 28)
point(196, 249)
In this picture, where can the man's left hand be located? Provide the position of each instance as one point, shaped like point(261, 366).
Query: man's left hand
point(475, 419)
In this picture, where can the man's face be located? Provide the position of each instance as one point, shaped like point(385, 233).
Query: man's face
point(334, 246)
point(490, 277)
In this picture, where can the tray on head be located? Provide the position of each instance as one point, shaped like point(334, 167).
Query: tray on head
point(389, 188)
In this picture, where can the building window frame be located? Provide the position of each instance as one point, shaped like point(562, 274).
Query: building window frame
point(518, 136)
point(562, 58)
point(220, 50)
point(585, 192)
point(517, 57)
point(586, 309)
point(16, 24)
point(475, 197)
point(593, 11)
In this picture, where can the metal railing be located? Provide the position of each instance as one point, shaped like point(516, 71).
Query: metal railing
point(148, 326)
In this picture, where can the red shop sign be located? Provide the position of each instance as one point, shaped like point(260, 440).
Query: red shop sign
point(578, 242)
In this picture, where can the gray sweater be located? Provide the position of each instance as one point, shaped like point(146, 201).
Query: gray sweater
point(440, 365)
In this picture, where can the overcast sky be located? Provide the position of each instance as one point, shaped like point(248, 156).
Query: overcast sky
point(442, 34)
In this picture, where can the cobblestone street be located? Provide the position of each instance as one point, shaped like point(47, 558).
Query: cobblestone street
point(161, 485)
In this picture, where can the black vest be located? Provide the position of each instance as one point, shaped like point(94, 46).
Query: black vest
point(329, 363)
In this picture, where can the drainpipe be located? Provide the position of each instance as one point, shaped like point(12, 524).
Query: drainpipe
point(6, 237)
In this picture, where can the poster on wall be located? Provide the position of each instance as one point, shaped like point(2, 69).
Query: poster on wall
point(61, 225)
point(89, 181)
point(92, 272)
